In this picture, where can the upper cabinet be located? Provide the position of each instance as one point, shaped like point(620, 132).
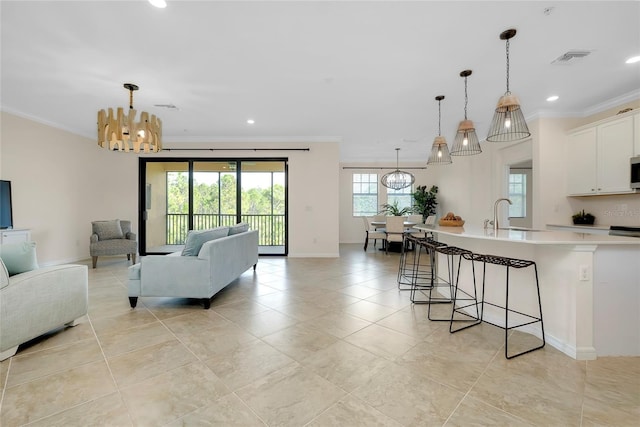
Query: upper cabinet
point(598, 156)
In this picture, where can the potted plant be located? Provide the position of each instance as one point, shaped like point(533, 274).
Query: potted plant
point(393, 209)
point(424, 201)
point(583, 218)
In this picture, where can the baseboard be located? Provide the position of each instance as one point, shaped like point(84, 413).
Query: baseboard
point(314, 255)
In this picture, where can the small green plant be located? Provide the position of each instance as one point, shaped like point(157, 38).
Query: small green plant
point(393, 209)
point(583, 218)
point(424, 201)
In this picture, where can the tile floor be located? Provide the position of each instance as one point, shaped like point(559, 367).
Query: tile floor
point(300, 342)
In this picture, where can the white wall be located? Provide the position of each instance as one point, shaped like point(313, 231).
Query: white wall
point(61, 182)
point(352, 228)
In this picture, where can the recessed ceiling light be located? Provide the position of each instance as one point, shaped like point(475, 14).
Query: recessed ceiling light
point(158, 3)
point(633, 60)
point(553, 98)
point(250, 121)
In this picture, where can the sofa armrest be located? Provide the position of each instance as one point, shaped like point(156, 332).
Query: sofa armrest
point(40, 300)
point(130, 235)
point(93, 238)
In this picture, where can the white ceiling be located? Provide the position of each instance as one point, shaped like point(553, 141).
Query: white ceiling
point(363, 73)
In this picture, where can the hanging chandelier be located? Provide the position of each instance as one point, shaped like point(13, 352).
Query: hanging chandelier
point(508, 122)
point(123, 133)
point(466, 141)
point(398, 179)
point(439, 149)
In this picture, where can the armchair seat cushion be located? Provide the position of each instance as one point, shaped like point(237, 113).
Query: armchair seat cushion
point(113, 247)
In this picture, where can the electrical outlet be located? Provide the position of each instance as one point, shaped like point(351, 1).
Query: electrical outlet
point(583, 273)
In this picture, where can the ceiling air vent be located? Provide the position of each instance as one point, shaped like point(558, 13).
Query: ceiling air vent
point(571, 56)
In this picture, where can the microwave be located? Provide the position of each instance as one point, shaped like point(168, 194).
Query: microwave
point(635, 172)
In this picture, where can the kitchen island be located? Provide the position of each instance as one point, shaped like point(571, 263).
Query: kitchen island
point(589, 284)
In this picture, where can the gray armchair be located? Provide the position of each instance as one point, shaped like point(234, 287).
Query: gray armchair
point(113, 237)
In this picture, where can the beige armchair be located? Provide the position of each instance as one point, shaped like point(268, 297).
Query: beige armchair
point(113, 237)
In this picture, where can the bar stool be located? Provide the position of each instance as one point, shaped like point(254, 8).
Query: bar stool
point(529, 318)
point(460, 295)
point(405, 269)
point(423, 275)
point(453, 271)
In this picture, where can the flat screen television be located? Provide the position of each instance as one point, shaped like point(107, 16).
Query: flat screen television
point(6, 213)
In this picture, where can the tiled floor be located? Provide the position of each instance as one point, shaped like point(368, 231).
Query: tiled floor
point(315, 342)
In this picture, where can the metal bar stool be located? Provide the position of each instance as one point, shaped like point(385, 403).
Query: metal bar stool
point(460, 295)
point(423, 275)
point(405, 268)
point(453, 271)
point(528, 318)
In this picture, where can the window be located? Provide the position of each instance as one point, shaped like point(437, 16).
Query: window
point(365, 194)
point(518, 195)
point(403, 197)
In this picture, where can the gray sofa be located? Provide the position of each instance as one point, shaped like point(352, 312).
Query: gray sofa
point(38, 301)
point(217, 263)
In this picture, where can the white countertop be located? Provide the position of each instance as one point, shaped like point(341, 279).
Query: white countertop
point(546, 237)
point(583, 226)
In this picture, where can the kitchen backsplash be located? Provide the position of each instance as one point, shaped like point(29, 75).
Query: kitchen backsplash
point(610, 210)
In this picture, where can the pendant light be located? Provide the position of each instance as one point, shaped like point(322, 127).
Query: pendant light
point(508, 122)
point(122, 132)
point(398, 179)
point(466, 141)
point(439, 149)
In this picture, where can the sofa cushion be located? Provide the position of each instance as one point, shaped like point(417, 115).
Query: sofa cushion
point(108, 229)
point(240, 227)
point(19, 257)
point(197, 238)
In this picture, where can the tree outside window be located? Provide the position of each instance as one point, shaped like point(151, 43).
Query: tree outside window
point(365, 194)
point(404, 197)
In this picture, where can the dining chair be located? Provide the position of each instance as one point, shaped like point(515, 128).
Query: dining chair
point(395, 231)
point(371, 233)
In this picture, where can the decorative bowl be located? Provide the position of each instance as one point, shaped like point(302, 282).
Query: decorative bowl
point(451, 222)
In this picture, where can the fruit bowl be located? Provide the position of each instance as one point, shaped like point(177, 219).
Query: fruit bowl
point(451, 222)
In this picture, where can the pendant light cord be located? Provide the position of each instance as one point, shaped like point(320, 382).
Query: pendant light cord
point(131, 99)
point(466, 98)
point(439, 117)
point(508, 66)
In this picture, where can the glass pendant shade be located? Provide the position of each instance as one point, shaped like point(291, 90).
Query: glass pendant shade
point(439, 152)
point(508, 122)
point(397, 179)
point(466, 141)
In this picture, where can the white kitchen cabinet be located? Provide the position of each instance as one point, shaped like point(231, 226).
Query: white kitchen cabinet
point(14, 236)
point(598, 157)
point(636, 135)
point(582, 172)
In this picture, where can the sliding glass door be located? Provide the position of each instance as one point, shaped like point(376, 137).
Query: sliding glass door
point(178, 195)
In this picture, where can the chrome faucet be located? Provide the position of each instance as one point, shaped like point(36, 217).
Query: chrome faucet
point(495, 213)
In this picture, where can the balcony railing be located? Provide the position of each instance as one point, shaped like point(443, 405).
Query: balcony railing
point(270, 227)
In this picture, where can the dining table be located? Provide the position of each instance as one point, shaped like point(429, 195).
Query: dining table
point(382, 224)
